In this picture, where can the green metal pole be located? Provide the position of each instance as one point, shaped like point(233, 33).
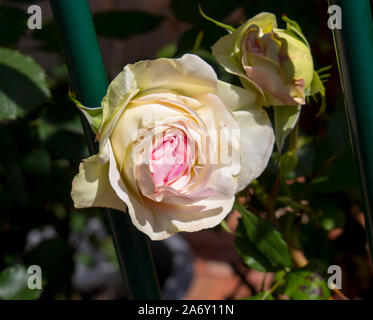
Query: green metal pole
point(89, 80)
point(354, 47)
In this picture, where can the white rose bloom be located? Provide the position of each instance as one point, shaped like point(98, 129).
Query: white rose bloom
point(175, 145)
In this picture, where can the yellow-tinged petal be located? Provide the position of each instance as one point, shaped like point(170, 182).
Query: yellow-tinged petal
point(237, 98)
point(188, 75)
point(123, 85)
point(91, 186)
point(300, 56)
point(265, 21)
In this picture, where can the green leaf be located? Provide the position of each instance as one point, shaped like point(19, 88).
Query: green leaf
point(23, 84)
point(227, 27)
point(13, 285)
point(123, 24)
point(286, 118)
point(266, 239)
point(294, 28)
point(250, 255)
point(93, 115)
point(305, 285)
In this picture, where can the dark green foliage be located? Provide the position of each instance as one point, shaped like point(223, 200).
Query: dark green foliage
point(261, 245)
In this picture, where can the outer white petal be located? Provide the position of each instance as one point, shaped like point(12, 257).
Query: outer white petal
point(120, 92)
point(201, 215)
point(188, 75)
point(109, 124)
point(257, 140)
point(123, 85)
point(91, 186)
point(256, 136)
point(236, 98)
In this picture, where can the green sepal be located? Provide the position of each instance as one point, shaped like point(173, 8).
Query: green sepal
point(93, 115)
point(227, 27)
point(286, 118)
point(294, 29)
point(317, 87)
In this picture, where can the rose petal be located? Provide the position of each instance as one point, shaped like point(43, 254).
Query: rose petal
point(141, 216)
point(236, 98)
point(91, 186)
point(272, 84)
point(257, 141)
point(188, 75)
point(201, 215)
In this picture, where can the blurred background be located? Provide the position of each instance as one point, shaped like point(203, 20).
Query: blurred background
point(42, 144)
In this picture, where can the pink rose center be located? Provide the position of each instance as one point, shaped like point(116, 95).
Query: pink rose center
point(169, 159)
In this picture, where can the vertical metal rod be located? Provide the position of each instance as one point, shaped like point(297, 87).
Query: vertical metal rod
point(354, 48)
point(89, 80)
